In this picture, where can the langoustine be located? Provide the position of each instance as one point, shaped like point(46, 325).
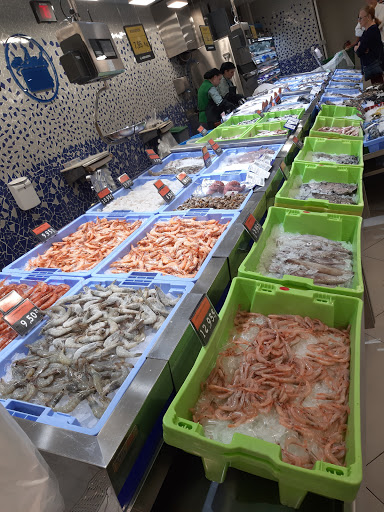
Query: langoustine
point(282, 371)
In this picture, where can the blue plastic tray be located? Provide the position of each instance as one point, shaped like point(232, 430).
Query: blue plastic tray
point(45, 415)
point(171, 158)
point(18, 265)
point(98, 208)
point(374, 144)
point(187, 192)
point(221, 216)
point(215, 167)
point(333, 99)
point(31, 278)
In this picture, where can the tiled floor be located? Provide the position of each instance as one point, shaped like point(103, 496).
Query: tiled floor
point(371, 495)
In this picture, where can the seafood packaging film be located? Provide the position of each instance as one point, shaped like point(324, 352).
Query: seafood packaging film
point(21, 263)
point(342, 233)
point(222, 217)
point(253, 455)
point(304, 172)
point(82, 418)
point(331, 151)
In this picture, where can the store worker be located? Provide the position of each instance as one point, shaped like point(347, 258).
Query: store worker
point(370, 48)
point(226, 87)
point(210, 103)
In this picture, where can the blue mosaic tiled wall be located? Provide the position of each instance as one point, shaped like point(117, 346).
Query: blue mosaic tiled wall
point(36, 139)
point(294, 28)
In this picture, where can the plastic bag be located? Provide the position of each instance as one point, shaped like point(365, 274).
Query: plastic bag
point(339, 61)
point(26, 481)
point(166, 142)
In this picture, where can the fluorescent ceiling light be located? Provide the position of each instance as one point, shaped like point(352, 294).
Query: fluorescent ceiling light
point(141, 2)
point(177, 4)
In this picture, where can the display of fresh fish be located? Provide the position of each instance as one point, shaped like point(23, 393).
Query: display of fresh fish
point(189, 165)
point(270, 133)
point(43, 295)
point(283, 379)
point(353, 131)
point(339, 193)
point(87, 246)
point(338, 159)
point(230, 202)
point(87, 348)
point(177, 247)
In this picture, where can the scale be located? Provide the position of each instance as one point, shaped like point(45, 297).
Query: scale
point(94, 169)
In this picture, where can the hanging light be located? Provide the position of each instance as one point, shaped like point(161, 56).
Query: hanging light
point(177, 4)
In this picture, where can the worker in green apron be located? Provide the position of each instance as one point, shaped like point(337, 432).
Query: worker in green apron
point(210, 103)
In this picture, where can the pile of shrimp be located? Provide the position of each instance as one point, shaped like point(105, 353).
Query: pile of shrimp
point(273, 367)
point(178, 247)
point(87, 246)
point(43, 295)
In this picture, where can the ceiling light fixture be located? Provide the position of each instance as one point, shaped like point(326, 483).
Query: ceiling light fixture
point(177, 4)
point(141, 2)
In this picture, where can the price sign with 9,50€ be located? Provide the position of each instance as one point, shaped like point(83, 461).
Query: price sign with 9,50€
point(20, 314)
point(204, 319)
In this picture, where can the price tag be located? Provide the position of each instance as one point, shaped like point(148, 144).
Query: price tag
point(125, 180)
point(204, 319)
point(105, 196)
point(202, 130)
point(207, 38)
point(283, 167)
point(278, 99)
point(44, 232)
point(253, 227)
point(260, 113)
point(298, 142)
point(206, 157)
point(165, 192)
point(24, 317)
point(155, 159)
point(216, 148)
point(184, 179)
point(139, 43)
point(292, 123)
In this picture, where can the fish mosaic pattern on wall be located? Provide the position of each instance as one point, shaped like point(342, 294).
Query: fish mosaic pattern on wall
point(36, 140)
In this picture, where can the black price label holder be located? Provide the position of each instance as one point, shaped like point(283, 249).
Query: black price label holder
point(105, 196)
point(202, 130)
point(184, 179)
point(165, 192)
point(216, 148)
point(20, 314)
point(253, 227)
point(206, 157)
point(125, 180)
point(204, 319)
point(44, 232)
point(298, 142)
point(282, 168)
point(154, 157)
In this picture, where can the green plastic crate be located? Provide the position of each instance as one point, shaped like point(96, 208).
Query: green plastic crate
point(335, 122)
point(319, 172)
point(253, 455)
point(271, 125)
point(341, 228)
point(338, 111)
point(234, 132)
point(232, 121)
point(331, 147)
point(269, 116)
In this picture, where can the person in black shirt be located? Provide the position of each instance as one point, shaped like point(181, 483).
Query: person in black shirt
point(370, 48)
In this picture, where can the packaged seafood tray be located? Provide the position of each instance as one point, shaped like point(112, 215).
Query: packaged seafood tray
point(254, 455)
point(81, 419)
point(142, 195)
point(305, 173)
point(266, 129)
point(214, 216)
point(179, 162)
point(21, 264)
point(239, 159)
point(245, 120)
point(331, 151)
point(204, 190)
point(289, 247)
point(270, 116)
point(339, 111)
point(329, 123)
point(31, 279)
point(223, 133)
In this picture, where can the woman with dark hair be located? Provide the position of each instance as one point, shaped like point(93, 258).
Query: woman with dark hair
point(370, 48)
point(226, 87)
point(210, 103)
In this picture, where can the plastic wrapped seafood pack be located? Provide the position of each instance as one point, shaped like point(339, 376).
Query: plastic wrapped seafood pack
point(144, 198)
point(87, 349)
point(217, 194)
point(283, 379)
point(189, 165)
point(338, 193)
point(327, 262)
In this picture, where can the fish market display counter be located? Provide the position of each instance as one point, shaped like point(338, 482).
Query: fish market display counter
point(122, 462)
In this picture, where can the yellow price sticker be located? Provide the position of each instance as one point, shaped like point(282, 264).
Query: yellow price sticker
point(253, 31)
point(207, 35)
point(138, 39)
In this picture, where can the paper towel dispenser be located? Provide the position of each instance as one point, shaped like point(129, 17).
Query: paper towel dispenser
point(23, 193)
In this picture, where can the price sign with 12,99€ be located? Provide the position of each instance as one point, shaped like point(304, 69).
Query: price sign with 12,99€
point(139, 43)
point(125, 180)
point(20, 314)
point(105, 196)
point(44, 232)
point(165, 192)
point(154, 157)
point(204, 319)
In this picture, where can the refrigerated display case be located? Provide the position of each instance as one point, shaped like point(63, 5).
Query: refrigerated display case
point(265, 58)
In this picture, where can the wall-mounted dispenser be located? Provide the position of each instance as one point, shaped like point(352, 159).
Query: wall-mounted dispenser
point(23, 193)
